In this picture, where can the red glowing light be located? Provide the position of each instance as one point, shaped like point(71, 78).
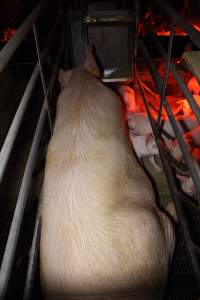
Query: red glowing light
point(7, 34)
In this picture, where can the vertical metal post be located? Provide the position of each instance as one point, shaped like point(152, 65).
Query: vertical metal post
point(42, 77)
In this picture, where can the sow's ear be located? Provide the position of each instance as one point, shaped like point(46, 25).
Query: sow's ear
point(63, 77)
point(90, 63)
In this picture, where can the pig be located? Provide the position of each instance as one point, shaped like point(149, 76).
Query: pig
point(186, 106)
point(186, 182)
point(194, 86)
point(101, 231)
point(128, 96)
point(192, 139)
point(145, 146)
point(139, 123)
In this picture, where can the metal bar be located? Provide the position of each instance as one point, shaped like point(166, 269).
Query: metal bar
point(179, 20)
point(14, 128)
point(175, 195)
point(163, 91)
point(183, 146)
point(136, 19)
point(190, 246)
point(42, 77)
point(101, 19)
point(35, 242)
point(194, 106)
point(9, 254)
point(176, 163)
point(33, 255)
point(10, 48)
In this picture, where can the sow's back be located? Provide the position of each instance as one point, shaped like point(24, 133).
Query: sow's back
point(101, 231)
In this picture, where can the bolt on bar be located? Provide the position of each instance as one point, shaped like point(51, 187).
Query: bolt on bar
point(179, 20)
point(12, 45)
point(9, 254)
point(174, 193)
point(183, 146)
point(194, 106)
point(15, 125)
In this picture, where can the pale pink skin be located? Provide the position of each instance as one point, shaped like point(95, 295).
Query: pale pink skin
point(192, 139)
point(139, 122)
point(194, 86)
point(144, 145)
point(186, 182)
point(101, 229)
point(128, 96)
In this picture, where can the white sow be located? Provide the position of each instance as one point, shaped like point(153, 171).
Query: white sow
point(101, 231)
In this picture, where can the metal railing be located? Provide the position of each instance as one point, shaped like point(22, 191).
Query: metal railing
point(5, 55)
point(178, 196)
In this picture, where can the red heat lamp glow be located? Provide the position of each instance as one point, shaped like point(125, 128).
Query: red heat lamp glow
point(7, 34)
point(178, 31)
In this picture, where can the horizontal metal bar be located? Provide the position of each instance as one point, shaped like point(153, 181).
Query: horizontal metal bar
point(12, 45)
point(174, 193)
point(13, 236)
point(183, 146)
point(14, 128)
point(194, 106)
point(109, 19)
point(179, 20)
point(33, 255)
point(116, 79)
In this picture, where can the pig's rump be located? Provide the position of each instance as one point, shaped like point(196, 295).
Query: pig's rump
point(101, 232)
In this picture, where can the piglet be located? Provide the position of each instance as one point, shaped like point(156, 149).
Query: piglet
point(194, 86)
point(140, 124)
point(128, 96)
point(144, 145)
point(186, 182)
point(102, 233)
point(191, 138)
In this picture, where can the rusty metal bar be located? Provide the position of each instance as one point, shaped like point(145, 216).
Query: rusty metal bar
point(12, 45)
point(184, 148)
point(179, 20)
